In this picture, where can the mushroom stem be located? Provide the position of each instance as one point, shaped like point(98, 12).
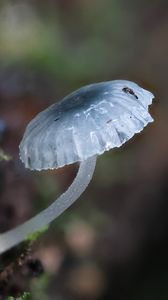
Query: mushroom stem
point(12, 237)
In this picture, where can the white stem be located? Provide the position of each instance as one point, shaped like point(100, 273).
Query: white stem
point(12, 237)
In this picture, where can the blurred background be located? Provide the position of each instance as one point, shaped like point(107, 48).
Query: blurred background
point(113, 242)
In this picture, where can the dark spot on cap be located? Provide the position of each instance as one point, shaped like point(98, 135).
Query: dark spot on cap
point(56, 119)
point(127, 90)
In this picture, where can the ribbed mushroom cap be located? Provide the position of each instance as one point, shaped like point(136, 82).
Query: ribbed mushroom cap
point(87, 122)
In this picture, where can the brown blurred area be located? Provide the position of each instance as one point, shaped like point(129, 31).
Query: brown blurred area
point(113, 242)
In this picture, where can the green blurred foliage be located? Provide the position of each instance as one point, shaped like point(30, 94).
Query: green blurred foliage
point(26, 296)
point(87, 42)
point(39, 288)
point(4, 156)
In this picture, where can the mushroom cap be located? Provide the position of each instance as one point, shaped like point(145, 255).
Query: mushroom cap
point(85, 123)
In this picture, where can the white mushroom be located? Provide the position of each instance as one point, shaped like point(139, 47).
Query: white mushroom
point(86, 123)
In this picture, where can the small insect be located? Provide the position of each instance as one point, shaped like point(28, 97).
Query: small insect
point(127, 90)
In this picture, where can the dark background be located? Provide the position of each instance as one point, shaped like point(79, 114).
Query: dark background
point(112, 243)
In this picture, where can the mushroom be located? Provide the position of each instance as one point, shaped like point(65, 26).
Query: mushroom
point(82, 126)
